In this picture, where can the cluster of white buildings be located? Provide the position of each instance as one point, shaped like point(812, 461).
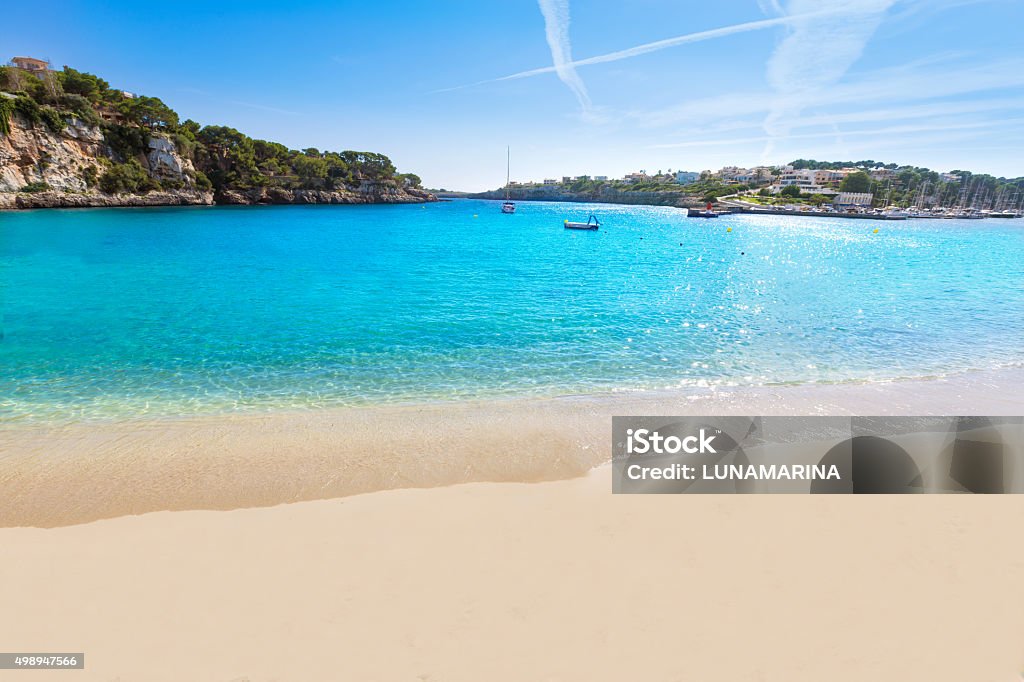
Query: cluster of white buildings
point(680, 177)
point(775, 178)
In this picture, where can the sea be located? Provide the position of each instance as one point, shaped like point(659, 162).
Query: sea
point(164, 312)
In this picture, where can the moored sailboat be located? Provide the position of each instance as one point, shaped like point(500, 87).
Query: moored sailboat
point(508, 206)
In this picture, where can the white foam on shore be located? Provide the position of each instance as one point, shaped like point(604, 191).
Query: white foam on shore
point(63, 474)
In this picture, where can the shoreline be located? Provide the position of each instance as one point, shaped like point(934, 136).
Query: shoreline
point(724, 207)
point(697, 390)
point(57, 475)
point(21, 201)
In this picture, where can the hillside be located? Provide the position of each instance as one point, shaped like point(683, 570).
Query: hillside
point(68, 139)
point(890, 184)
point(618, 192)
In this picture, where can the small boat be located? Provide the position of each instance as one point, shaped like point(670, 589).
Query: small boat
point(509, 206)
point(591, 224)
point(697, 213)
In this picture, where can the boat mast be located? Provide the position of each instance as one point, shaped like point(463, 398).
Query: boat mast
point(508, 169)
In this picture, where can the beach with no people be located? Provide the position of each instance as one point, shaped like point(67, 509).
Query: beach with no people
point(181, 549)
point(302, 443)
point(555, 580)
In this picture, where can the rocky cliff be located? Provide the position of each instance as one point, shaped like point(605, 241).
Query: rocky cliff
point(40, 168)
point(365, 194)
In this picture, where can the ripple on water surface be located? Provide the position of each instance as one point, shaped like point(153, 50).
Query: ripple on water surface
point(109, 313)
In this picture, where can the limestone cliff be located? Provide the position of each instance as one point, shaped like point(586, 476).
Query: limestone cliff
point(40, 168)
point(59, 169)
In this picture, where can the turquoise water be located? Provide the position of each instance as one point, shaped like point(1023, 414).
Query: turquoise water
point(131, 312)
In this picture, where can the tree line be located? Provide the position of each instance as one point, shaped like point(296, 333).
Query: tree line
point(224, 158)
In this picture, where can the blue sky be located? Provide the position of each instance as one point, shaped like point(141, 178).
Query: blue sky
point(599, 87)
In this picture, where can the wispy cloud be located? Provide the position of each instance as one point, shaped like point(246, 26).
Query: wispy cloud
point(896, 87)
point(815, 54)
point(647, 48)
point(901, 130)
point(556, 30)
point(917, 112)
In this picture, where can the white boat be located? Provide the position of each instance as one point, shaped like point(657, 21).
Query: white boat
point(591, 224)
point(509, 206)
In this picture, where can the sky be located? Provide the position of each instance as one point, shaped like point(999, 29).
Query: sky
point(573, 87)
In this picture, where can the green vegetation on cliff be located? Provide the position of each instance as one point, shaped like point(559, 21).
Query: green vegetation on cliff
point(223, 158)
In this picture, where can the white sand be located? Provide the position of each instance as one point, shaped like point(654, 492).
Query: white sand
point(549, 581)
point(494, 581)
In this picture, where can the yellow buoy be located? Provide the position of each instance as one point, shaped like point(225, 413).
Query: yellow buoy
point(876, 231)
point(729, 230)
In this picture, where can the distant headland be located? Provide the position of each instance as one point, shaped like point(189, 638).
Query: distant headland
point(801, 184)
point(68, 139)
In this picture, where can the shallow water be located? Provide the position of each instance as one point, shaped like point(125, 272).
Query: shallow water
point(130, 312)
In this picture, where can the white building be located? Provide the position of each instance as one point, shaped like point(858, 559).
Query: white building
point(550, 181)
point(853, 199)
point(687, 177)
point(803, 178)
point(825, 176)
point(730, 172)
point(601, 178)
point(753, 176)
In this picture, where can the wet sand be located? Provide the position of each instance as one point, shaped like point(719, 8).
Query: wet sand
point(61, 475)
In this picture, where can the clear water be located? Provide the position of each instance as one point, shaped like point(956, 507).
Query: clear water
point(132, 312)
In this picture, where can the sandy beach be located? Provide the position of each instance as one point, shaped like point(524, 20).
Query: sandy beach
point(550, 581)
point(499, 580)
point(75, 473)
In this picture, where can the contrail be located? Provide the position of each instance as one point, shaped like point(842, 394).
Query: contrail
point(799, 66)
point(890, 130)
point(659, 45)
point(556, 30)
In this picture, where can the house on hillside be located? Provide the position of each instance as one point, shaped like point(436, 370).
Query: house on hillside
point(37, 67)
point(803, 178)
